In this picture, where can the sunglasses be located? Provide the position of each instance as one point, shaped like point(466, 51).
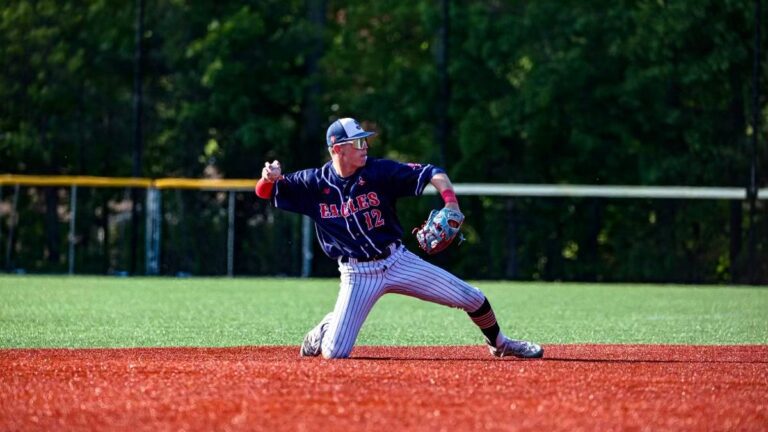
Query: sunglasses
point(359, 144)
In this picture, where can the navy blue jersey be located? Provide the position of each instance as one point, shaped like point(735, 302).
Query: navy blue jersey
point(354, 216)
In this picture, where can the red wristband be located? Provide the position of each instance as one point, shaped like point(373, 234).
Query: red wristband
point(449, 196)
point(264, 189)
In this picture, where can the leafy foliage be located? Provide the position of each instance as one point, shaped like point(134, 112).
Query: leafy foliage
point(645, 92)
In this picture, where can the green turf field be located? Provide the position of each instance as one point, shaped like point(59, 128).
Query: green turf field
point(131, 312)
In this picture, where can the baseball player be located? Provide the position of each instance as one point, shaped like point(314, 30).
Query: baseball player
point(352, 202)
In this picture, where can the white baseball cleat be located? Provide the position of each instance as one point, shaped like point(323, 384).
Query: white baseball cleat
point(312, 344)
point(518, 348)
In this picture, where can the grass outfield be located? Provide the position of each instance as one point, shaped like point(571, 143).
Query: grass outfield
point(79, 312)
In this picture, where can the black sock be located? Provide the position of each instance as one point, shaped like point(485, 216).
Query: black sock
point(486, 320)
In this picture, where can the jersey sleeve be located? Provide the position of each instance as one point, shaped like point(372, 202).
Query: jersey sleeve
point(294, 192)
point(410, 179)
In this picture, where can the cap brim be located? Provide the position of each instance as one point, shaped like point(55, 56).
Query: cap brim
point(358, 136)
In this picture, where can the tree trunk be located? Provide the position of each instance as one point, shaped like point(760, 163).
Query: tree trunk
point(442, 125)
point(312, 130)
point(733, 133)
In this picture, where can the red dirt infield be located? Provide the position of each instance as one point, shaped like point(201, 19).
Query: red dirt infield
point(575, 387)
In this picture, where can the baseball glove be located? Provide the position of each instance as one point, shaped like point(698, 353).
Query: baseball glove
point(439, 230)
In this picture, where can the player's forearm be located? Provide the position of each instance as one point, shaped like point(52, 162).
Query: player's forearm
point(442, 183)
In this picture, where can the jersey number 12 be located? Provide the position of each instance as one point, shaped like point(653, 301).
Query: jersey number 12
point(373, 219)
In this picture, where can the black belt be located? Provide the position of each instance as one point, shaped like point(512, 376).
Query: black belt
point(385, 254)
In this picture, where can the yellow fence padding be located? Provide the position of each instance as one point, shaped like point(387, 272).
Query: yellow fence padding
point(210, 184)
point(163, 183)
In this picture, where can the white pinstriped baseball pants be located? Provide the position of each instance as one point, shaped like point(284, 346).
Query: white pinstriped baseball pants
point(363, 283)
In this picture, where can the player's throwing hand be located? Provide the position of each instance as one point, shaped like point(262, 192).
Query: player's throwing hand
point(271, 172)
